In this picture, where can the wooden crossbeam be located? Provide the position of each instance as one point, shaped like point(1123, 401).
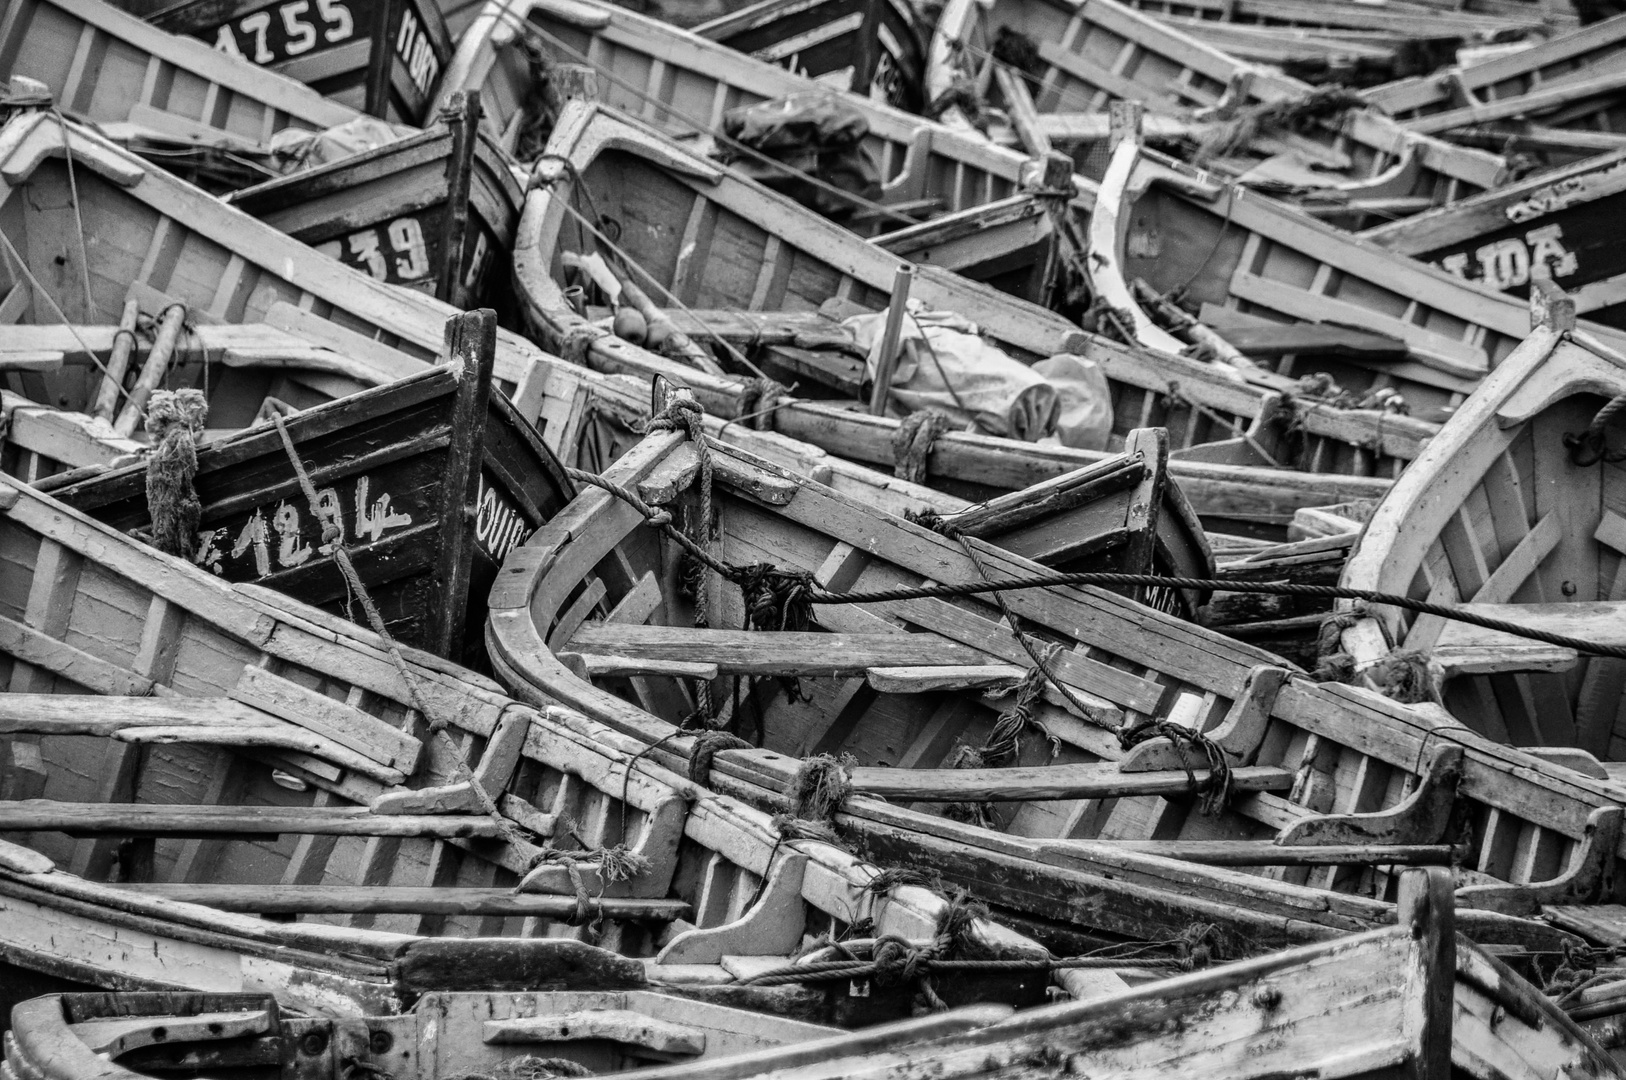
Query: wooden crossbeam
point(142, 819)
point(402, 900)
point(1096, 780)
point(773, 653)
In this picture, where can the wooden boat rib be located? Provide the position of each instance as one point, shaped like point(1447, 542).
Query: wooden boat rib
point(140, 785)
point(1091, 54)
point(398, 470)
point(1560, 219)
point(1500, 514)
point(1407, 1000)
point(1252, 262)
point(1444, 1007)
point(1573, 65)
point(871, 47)
point(886, 682)
point(610, 1031)
point(434, 212)
point(161, 241)
point(383, 58)
point(112, 69)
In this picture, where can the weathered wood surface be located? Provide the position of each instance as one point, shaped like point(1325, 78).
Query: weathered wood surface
point(87, 610)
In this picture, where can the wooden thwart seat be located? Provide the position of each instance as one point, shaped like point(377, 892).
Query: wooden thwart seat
point(1095, 780)
point(1465, 649)
point(403, 900)
point(751, 652)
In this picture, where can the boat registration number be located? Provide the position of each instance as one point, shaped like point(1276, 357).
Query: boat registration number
point(415, 50)
point(499, 527)
point(274, 538)
point(289, 30)
point(396, 252)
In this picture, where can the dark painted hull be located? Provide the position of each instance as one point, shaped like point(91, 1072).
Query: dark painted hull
point(878, 40)
point(388, 469)
point(434, 212)
point(383, 57)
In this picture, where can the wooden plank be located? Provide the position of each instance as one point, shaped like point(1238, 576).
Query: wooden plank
point(345, 725)
point(402, 900)
point(773, 653)
point(142, 819)
point(1096, 780)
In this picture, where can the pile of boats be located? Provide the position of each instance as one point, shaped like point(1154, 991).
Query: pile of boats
point(1026, 539)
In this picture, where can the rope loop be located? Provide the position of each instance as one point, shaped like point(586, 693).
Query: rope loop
point(912, 443)
point(707, 745)
point(1214, 790)
point(758, 398)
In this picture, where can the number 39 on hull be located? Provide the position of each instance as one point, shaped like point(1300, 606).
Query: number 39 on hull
point(383, 57)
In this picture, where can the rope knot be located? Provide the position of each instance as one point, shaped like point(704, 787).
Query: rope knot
point(680, 414)
point(775, 598)
point(1215, 788)
point(758, 399)
point(707, 745)
point(927, 518)
point(175, 421)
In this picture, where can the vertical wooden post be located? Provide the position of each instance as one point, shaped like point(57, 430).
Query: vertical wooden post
point(1124, 122)
point(887, 360)
point(1428, 909)
point(462, 119)
point(375, 97)
point(471, 346)
point(1550, 306)
point(567, 83)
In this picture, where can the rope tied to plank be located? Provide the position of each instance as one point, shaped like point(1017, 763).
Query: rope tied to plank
point(707, 745)
point(1101, 317)
point(913, 442)
point(618, 863)
point(333, 534)
point(1589, 447)
point(1214, 790)
point(1004, 743)
point(175, 420)
point(1333, 664)
point(1286, 114)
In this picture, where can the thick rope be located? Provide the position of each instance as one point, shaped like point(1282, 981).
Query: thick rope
point(334, 535)
point(759, 396)
point(176, 423)
point(1215, 788)
point(707, 745)
point(1589, 447)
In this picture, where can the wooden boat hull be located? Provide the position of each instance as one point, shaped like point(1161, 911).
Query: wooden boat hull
point(380, 57)
point(1561, 219)
point(176, 244)
point(1569, 83)
point(1403, 1001)
point(140, 785)
point(431, 480)
point(1081, 57)
point(1037, 834)
point(1415, 20)
point(1522, 527)
point(876, 44)
point(1251, 262)
point(96, 61)
point(434, 212)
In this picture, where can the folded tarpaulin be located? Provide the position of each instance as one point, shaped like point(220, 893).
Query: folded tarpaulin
point(813, 133)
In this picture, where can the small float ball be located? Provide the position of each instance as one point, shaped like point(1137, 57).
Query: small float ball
point(630, 326)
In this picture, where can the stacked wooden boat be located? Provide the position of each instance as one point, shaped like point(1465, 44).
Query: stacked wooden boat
point(542, 578)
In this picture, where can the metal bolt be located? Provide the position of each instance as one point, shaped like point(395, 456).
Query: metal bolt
point(1267, 997)
point(380, 1042)
point(1568, 588)
point(313, 1043)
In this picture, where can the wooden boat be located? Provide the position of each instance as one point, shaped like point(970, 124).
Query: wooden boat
point(1353, 58)
point(590, 612)
point(1560, 219)
point(431, 481)
point(434, 212)
point(1502, 514)
point(1252, 263)
point(1406, 1001)
point(161, 242)
point(383, 59)
point(129, 78)
point(1077, 59)
point(1572, 82)
point(871, 47)
point(179, 751)
point(725, 205)
point(444, 1035)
